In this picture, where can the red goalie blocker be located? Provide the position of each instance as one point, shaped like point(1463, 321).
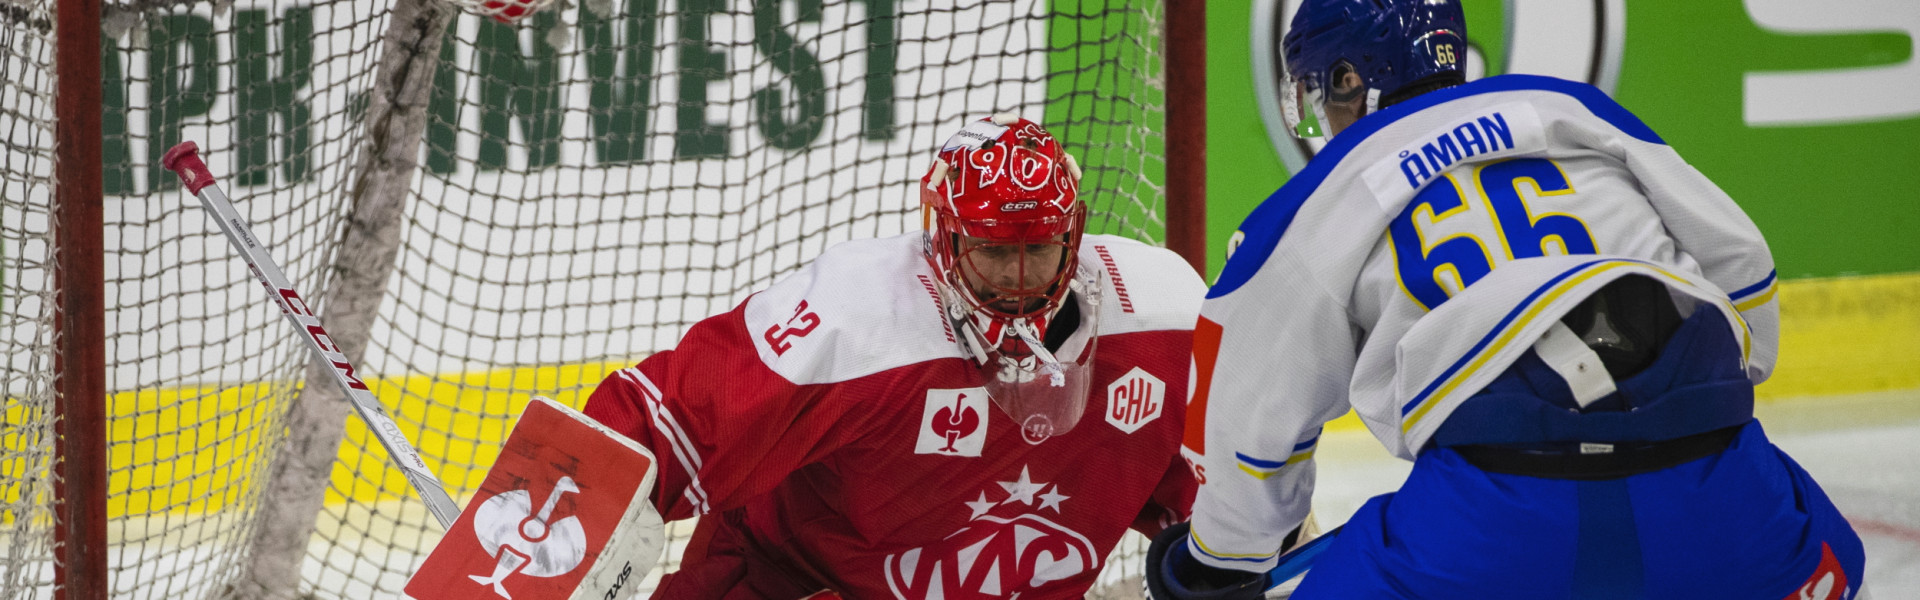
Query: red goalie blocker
point(563, 514)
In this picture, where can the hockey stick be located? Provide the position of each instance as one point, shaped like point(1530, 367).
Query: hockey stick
point(184, 160)
point(1294, 564)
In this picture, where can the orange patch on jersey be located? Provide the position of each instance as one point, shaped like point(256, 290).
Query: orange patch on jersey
point(1206, 350)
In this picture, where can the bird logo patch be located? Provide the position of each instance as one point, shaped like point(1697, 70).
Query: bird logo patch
point(526, 542)
point(562, 515)
point(954, 423)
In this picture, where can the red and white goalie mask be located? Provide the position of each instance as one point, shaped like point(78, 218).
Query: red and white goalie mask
point(1003, 222)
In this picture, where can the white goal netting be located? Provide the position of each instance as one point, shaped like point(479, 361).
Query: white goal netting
point(543, 203)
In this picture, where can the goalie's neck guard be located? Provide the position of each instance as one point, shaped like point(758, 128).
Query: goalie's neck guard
point(1043, 391)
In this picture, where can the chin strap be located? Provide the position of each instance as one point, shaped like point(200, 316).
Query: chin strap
point(973, 341)
point(981, 336)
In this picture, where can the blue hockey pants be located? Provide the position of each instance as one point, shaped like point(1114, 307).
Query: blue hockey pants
point(1746, 523)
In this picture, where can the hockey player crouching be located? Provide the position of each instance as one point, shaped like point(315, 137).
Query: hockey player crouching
point(977, 411)
point(1520, 287)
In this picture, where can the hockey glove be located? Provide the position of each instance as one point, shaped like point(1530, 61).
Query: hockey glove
point(1174, 574)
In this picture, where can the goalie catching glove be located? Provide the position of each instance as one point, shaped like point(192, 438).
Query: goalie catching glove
point(563, 514)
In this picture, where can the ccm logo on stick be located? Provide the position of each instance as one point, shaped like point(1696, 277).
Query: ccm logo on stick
point(290, 302)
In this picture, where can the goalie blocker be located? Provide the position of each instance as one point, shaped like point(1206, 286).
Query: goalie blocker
point(563, 514)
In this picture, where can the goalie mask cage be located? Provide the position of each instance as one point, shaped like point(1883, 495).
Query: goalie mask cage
point(481, 212)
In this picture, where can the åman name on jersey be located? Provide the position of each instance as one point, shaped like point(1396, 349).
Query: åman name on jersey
point(1507, 129)
point(1484, 135)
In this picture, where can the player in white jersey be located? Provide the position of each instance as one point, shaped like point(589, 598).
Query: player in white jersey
point(1520, 287)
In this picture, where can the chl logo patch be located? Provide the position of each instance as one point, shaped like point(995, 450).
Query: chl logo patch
point(954, 423)
point(1135, 400)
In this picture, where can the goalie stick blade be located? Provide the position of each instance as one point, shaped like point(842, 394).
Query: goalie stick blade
point(444, 509)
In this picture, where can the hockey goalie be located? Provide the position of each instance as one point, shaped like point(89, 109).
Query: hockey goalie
point(977, 410)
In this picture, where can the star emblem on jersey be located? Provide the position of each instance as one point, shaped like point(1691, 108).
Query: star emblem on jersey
point(997, 557)
point(1023, 490)
point(981, 507)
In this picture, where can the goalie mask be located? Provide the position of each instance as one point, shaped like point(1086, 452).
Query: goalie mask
point(1003, 224)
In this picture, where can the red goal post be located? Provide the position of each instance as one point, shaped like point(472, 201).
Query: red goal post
point(447, 185)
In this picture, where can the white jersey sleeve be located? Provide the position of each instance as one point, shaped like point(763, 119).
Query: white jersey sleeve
point(1415, 258)
point(1708, 226)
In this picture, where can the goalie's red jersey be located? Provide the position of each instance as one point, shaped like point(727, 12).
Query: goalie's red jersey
point(834, 438)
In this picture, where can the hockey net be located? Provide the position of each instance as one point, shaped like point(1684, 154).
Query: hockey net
point(589, 183)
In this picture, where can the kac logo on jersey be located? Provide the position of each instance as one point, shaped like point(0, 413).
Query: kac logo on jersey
point(1135, 400)
point(954, 423)
point(527, 542)
point(994, 556)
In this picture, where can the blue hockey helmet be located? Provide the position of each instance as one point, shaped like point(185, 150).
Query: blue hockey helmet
point(1392, 45)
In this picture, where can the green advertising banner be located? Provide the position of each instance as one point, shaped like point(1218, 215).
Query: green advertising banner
point(1807, 113)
